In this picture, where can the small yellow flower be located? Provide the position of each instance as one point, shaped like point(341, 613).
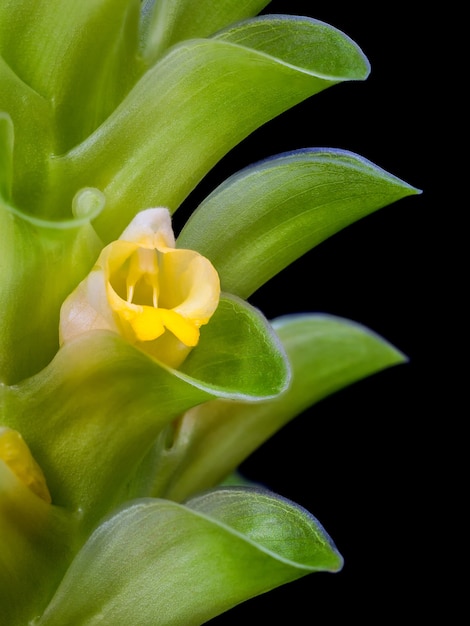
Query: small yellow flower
point(145, 289)
point(16, 455)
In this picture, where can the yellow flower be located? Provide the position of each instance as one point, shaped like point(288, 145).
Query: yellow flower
point(142, 287)
point(15, 454)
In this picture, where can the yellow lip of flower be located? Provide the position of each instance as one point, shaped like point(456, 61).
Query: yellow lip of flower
point(16, 455)
point(154, 295)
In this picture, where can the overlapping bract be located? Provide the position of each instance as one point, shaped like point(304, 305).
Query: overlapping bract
point(107, 109)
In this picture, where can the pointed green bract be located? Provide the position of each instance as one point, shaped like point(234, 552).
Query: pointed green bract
point(266, 216)
point(250, 512)
point(326, 353)
point(187, 564)
point(319, 48)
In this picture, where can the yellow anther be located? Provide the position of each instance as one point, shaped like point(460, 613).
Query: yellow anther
point(16, 455)
point(142, 277)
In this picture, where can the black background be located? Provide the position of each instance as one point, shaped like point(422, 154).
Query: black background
point(362, 461)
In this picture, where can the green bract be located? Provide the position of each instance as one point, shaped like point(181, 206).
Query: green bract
point(108, 108)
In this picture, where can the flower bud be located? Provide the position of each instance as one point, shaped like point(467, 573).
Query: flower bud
point(16, 455)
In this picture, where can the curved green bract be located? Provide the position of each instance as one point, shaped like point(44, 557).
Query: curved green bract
point(187, 564)
point(41, 262)
point(119, 400)
point(319, 48)
point(267, 215)
point(158, 128)
point(239, 353)
point(326, 353)
point(201, 99)
point(79, 57)
point(166, 22)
